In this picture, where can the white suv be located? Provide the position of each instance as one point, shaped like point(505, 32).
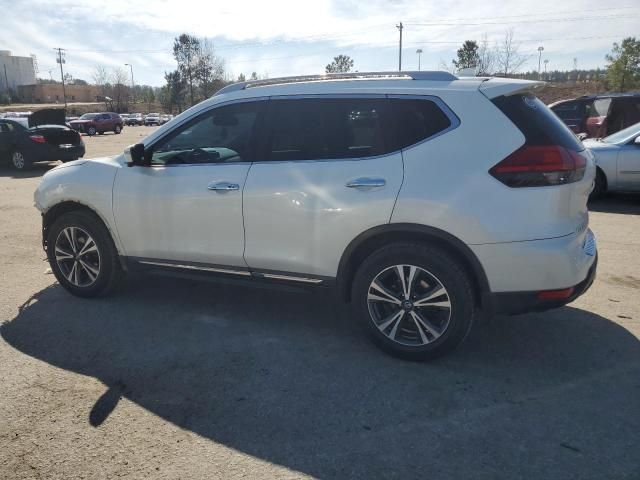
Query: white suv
point(422, 198)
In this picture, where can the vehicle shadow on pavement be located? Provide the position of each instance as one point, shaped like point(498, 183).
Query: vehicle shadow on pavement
point(290, 378)
point(625, 203)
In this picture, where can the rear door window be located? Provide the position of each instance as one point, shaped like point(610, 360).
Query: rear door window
point(326, 128)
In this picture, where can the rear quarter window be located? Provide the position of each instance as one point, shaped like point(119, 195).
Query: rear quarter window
point(538, 124)
point(416, 120)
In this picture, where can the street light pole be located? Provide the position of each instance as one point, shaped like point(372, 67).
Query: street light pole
point(540, 49)
point(546, 60)
point(419, 52)
point(133, 90)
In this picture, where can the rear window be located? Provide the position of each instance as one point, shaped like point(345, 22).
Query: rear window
point(416, 120)
point(537, 122)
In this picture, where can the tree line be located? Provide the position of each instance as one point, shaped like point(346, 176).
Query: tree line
point(622, 72)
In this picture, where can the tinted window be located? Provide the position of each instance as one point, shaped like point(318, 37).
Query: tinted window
point(568, 110)
point(221, 135)
point(537, 122)
point(416, 120)
point(5, 127)
point(599, 108)
point(313, 129)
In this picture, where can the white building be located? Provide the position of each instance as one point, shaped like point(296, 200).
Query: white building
point(15, 71)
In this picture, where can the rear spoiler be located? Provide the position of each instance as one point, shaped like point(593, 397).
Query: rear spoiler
point(497, 87)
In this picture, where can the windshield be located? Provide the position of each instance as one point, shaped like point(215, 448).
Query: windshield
point(88, 116)
point(623, 135)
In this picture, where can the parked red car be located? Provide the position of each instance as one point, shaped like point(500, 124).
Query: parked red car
point(599, 115)
point(92, 123)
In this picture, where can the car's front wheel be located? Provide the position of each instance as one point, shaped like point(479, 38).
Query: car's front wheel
point(19, 161)
point(82, 254)
point(415, 301)
point(117, 129)
point(91, 131)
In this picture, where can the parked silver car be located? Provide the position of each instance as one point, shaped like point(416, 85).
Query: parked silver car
point(618, 161)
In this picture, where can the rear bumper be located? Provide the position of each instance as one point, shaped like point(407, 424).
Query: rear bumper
point(512, 303)
point(50, 153)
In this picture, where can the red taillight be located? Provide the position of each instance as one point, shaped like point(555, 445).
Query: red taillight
point(38, 138)
point(540, 165)
point(555, 294)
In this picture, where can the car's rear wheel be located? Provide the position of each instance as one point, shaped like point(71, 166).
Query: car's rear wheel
point(117, 129)
point(91, 131)
point(415, 301)
point(82, 255)
point(19, 161)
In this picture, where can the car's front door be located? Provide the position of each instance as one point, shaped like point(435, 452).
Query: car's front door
point(187, 205)
point(326, 173)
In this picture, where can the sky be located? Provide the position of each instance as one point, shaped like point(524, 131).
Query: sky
point(292, 37)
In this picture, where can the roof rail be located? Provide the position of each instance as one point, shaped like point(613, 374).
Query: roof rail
point(421, 75)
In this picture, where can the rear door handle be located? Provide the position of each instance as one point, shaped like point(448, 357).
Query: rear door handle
point(366, 182)
point(223, 186)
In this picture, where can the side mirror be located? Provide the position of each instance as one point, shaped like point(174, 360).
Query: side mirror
point(135, 155)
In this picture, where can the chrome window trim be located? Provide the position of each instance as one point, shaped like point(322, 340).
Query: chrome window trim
point(453, 118)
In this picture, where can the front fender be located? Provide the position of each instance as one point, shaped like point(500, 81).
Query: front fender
point(86, 183)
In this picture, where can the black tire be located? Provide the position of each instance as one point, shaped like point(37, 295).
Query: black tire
point(117, 129)
point(446, 270)
point(20, 161)
point(100, 133)
point(600, 186)
point(110, 270)
point(91, 131)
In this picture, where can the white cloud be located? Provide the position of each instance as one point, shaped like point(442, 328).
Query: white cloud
point(293, 36)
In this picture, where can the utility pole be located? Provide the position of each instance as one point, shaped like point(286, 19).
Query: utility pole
point(419, 52)
point(133, 86)
point(400, 27)
point(546, 61)
point(540, 49)
point(6, 79)
point(61, 60)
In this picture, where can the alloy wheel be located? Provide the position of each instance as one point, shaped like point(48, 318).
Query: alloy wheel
point(409, 305)
point(18, 160)
point(77, 256)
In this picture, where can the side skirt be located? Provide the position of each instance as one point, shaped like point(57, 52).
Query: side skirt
point(227, 274)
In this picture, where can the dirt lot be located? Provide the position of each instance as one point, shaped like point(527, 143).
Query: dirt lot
point(174, 379)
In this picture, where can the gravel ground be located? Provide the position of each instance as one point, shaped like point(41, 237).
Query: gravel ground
point(175, 379)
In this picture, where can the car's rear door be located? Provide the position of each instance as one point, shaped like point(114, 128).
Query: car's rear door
point(185, 209)
point(327, 173)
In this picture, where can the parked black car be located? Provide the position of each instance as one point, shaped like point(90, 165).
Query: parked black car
point(43, 136)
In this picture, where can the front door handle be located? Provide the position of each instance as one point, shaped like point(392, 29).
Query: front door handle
point(223, 186)
point(366, 182)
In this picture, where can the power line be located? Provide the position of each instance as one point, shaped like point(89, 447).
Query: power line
point(542, 20)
